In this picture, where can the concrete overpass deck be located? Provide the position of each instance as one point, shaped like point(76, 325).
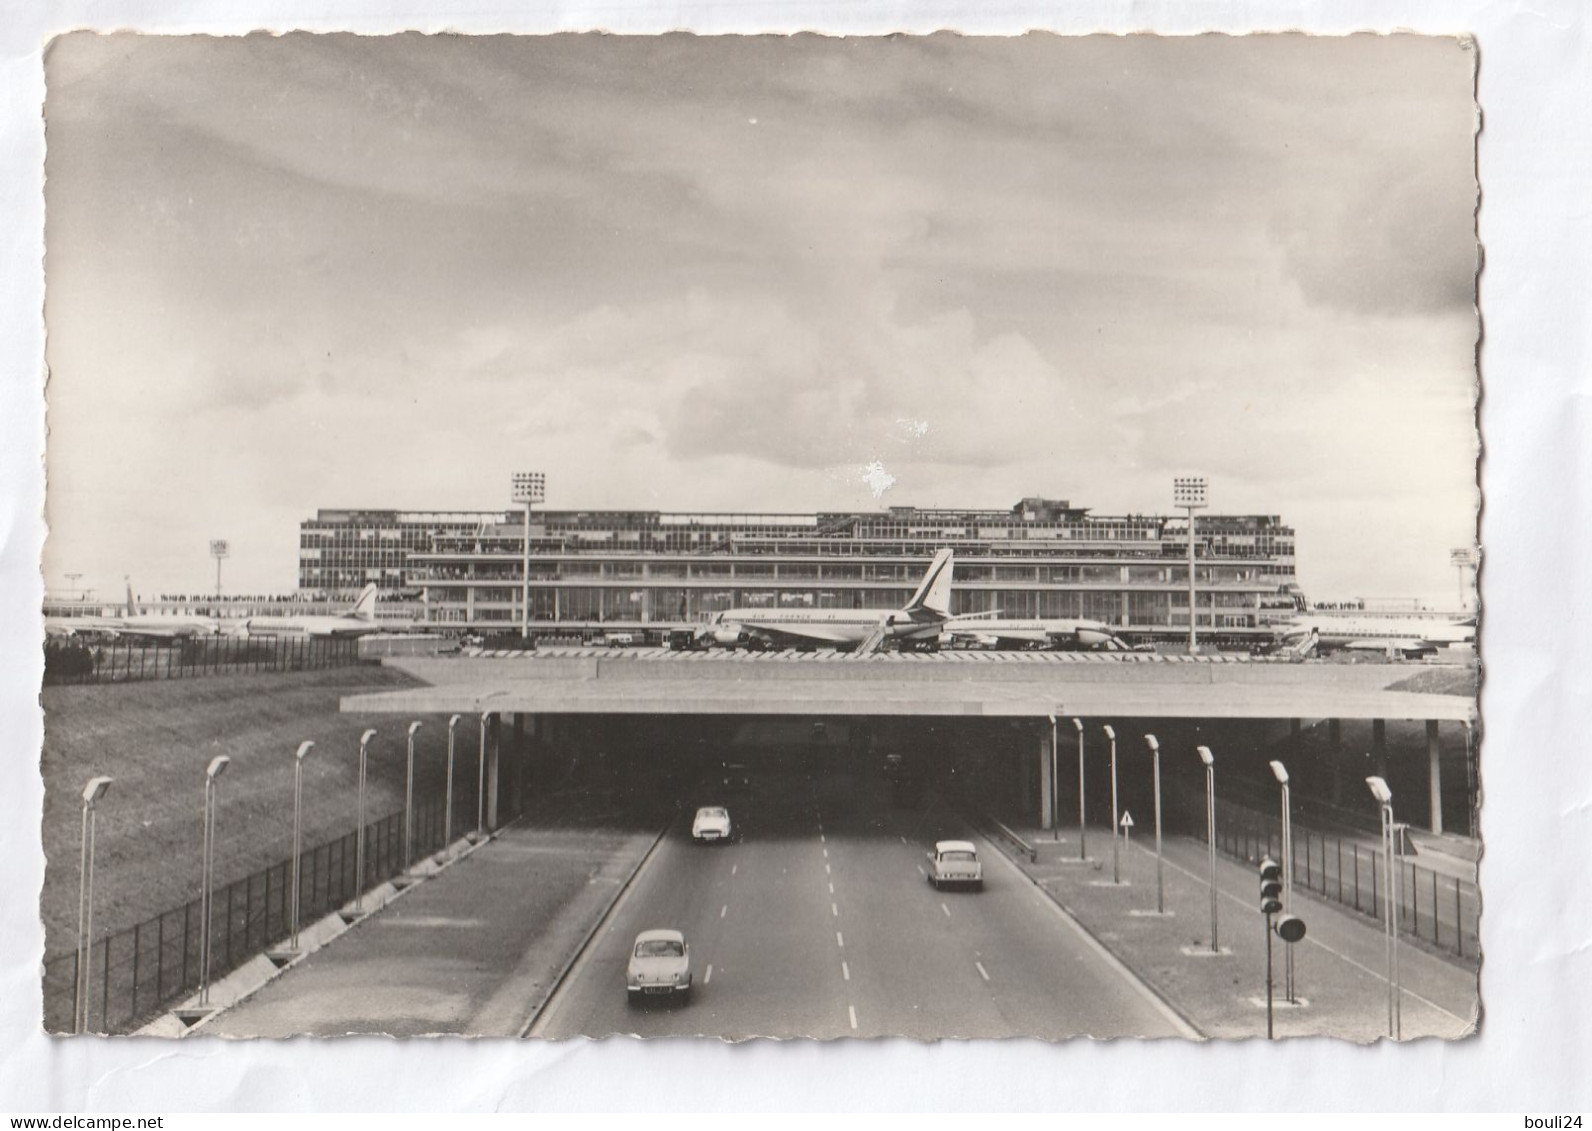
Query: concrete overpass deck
point(968, 684)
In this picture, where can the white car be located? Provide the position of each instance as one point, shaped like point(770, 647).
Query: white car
point(712, 824)
point(955, 862)
point(660, 966)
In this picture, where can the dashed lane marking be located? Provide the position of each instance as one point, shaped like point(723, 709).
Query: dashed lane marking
point(723, 910)
point(708, 976)
point(845, 971)
point(982, 972)
point(851, 1009)
point(820, 838)
point(834, 910)
point(831, 889)
point(826, 854)
point(840, 940)
point(945, 909)
point(922, 871)
point(827, 872)
point(734, 868)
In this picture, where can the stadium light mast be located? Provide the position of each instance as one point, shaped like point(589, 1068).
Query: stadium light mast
point(1463, 559)
point(220, 549)
point(529, 487)
point(1189, 492)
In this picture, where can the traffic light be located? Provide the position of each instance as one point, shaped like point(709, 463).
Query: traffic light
point(1290, 928)
point(1270, 886)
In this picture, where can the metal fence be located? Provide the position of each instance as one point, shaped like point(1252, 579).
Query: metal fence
point(1443, 910)
point(137, 971)
point(121, 661)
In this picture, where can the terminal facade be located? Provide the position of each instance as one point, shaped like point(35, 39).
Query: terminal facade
point(1039, 558)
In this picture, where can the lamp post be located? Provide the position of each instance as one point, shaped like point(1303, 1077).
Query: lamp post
point(1210, 831)
point(1116, 860)
point(92, 792)
point(528, 487)
point(1160, 886)
point(359, 837)
point(1055, 789)
point(1078, 726)
point(298, 829)
point(1188, 492)
point(1280, 772)
point(447, 818)
point(217, 767)
point(409, 795)
point(480, 781)
point(1384, 798)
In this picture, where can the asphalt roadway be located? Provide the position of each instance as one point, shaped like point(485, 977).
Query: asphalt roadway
point(818, 921)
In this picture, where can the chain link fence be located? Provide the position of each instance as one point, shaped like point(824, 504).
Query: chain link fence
point(121, 661)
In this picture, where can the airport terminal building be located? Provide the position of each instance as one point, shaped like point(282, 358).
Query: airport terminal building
point(1039, 558)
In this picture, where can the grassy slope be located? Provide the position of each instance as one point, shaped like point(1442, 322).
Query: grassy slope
point(156, 738)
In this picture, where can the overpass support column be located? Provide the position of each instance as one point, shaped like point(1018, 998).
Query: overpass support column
point(1295, 728)
point(1434, 775)
point(519, 764)
point(1335, 733)
point(1379, 746)
point(1047, 784)
point(494, 766)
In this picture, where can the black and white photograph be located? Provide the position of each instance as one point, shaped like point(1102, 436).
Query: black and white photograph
point(923, 536)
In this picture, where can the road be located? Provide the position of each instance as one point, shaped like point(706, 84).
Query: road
point(819, 922)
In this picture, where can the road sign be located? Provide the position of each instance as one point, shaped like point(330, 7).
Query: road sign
point(1127, 819)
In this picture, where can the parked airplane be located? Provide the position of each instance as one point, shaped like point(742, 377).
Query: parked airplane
point(134, 625)
point(358, 621)
point(1060, 635)
point(1405, 636)
point(920, 619)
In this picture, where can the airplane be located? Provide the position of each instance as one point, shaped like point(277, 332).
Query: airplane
point(1411, 637)
point(134, 625)
point(1059, 635)
point(358, 621)
point(920, 620)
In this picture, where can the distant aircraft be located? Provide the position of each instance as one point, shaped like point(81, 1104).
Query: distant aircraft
point(1060, 635)
point(920, 619)
point(134, 625)
point(1405, 636)
point(358, 621)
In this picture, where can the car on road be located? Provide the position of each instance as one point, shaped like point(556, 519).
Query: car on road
point(660, 966)
point(955, 863)
point(711, 825)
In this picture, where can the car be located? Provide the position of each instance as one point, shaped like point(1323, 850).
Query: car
point(711, 825)
point(660, 966)
point(955, 863)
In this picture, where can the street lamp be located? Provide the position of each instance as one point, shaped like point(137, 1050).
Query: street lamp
point(1055, 788)
point(92, 792)
point(1160, 886)
point(447, 818)
point(409, 794)
point(1078, 725)
point(1116, 860)
point(1188, 492)
point(528, 487)
point(480, 781)
point(1384, 798)
point(217, 767)
point(1210, 830)
point(298, 828)
point(1280, 772)
point(359, 838)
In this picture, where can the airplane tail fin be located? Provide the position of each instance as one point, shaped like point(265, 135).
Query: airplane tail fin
point(934, 592)
point(365, 607)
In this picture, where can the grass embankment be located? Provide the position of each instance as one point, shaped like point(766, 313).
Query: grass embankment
point(1441, 681)
point(156, 738)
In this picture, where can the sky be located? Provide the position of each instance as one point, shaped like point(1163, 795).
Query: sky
point(757, 274)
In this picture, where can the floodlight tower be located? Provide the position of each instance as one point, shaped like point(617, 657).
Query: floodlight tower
point(1189, 492)
point(529, 487)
